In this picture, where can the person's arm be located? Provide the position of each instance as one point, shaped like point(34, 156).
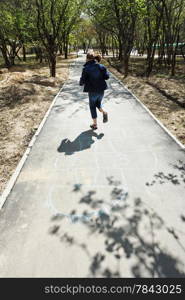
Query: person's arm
point(83, 77)
point(105, 72)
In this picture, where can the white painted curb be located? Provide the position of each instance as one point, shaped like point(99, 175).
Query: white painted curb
point(21, 163)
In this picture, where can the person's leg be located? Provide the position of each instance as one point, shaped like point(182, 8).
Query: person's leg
point(92, 105)
point(99, 106)
point(105, 115)
point(99, 101)
point(102, 110)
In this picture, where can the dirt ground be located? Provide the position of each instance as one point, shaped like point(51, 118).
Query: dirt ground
point(26, 92)
point(164, 96)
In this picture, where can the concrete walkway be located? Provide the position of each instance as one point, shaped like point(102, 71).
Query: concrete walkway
point(108, 203)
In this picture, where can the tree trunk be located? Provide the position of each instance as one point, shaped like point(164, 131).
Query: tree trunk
point(161, 53)
point(120, 50)
point(66, 43)
point(174, 60)
point(52, 66)
point(113, 53)
point(40, 56)
point(182, 53)
point(61, 49)
point(126, 65)
point(12, 60)
point(117, 50)
point(24, 52)
point(150, 59)
point(5, 57)
point(13, 52)
point(66, 52)
point(84, 48)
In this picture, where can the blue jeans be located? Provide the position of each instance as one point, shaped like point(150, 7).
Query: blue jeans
point(95, 99)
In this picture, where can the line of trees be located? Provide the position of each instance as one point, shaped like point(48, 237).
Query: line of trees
point(45, 25)
point(55, 26)
point(147, 25)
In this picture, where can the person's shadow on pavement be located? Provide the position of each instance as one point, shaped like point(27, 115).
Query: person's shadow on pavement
point(82, 142)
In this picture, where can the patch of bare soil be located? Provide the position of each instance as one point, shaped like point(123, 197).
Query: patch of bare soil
point(26, 93)
point(164, 97)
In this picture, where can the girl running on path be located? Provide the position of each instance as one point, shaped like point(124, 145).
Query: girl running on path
point(93, 78)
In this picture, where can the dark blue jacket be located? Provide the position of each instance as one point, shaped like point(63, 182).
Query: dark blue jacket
point(93, 77)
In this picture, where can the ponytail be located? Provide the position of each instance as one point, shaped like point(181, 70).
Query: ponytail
point(97, 57)
point(91, 56)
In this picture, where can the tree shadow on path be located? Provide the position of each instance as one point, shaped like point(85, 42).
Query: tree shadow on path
point(82, 142)
point(129, 231)
point(177, 178)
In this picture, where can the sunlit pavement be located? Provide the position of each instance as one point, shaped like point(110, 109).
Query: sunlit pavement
point(105, 203)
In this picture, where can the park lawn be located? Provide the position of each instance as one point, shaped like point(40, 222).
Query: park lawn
point(163, 95)
point(26, 92)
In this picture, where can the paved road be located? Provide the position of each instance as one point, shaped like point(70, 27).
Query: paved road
point(90, 204)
